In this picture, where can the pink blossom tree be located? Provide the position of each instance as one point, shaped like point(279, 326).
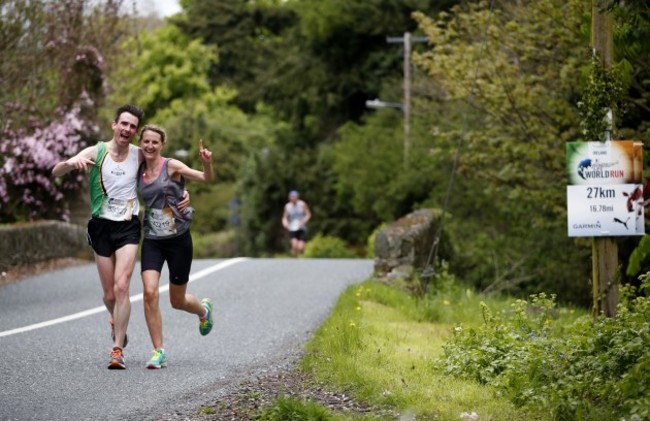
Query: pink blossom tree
point(52, 86)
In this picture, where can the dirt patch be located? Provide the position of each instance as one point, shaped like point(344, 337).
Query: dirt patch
point(247, 400)
point(17, 273)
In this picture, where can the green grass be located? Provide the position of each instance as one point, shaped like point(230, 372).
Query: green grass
point(383, 346)
point(380, 343)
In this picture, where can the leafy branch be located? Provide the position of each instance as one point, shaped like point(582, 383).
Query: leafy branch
point(605, 90)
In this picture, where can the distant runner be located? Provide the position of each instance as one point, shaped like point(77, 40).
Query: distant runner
point(294, 219)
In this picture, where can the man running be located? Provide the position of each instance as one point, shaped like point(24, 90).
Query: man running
point(294, 219)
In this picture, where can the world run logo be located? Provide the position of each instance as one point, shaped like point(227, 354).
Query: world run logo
point(588, 170)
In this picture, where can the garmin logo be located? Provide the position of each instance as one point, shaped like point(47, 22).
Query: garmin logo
point(587, 226)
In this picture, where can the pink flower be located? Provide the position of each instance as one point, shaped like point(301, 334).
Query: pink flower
point(26, 162)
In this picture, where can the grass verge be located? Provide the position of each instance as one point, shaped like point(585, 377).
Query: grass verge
point(380, 343)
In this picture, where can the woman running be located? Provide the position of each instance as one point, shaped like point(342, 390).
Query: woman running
point(161, 183)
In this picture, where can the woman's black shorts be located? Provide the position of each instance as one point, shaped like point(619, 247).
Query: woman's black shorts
point(177, 251)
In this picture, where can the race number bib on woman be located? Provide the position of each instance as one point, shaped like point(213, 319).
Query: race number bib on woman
point(161, 222)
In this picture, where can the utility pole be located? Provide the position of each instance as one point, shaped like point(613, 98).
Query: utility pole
point(407, 40)
point(604, 249)
point(407, 97)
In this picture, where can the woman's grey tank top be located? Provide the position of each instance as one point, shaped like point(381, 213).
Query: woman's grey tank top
point(162, 219)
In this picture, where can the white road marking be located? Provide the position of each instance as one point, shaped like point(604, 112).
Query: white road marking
point(134, 298)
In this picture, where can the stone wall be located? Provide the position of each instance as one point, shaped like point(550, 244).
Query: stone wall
point(29, 243)
point(404, 246)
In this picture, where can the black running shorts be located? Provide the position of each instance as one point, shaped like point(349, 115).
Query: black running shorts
point(300, 235)
point(177, 251)
point(106, 236)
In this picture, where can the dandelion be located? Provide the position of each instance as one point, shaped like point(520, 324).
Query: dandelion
point(446, 302)
point(358, 308)
point(352, 324)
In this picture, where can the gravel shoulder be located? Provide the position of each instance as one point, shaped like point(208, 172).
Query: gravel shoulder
point(246, 400)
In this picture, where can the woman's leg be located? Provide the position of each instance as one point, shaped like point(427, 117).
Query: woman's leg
point(150, 282)
point(180, 300)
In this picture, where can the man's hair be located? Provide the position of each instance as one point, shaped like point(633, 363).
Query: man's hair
point(156, 129)
point(131, 109)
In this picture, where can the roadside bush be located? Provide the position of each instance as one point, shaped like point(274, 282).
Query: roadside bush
point(370, 245)
point(583, 370)
point(215, 245)
point(326, 246)
point(28, 191)
point(212, 205)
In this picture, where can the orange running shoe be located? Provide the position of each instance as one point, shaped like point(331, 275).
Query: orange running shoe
point(117, 359)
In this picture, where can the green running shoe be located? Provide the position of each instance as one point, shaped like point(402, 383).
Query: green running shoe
point(158, 359)
point(205, 325)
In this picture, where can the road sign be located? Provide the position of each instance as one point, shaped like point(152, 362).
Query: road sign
point(605, 190)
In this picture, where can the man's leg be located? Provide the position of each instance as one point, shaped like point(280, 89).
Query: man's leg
point(124, 262)
point(300, 246)
point(151, 281)
point(106, 269)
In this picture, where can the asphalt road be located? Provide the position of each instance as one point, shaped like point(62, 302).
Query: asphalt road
point(55, 337)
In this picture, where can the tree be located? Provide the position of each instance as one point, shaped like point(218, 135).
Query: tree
point(55, 52)
point(509, 204)
point(52, 77)
point(249, 37)
point(165, 65)
point(315, 80)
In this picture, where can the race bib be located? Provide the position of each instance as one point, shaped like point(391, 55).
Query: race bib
point(117, 209)
point(161, 222)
